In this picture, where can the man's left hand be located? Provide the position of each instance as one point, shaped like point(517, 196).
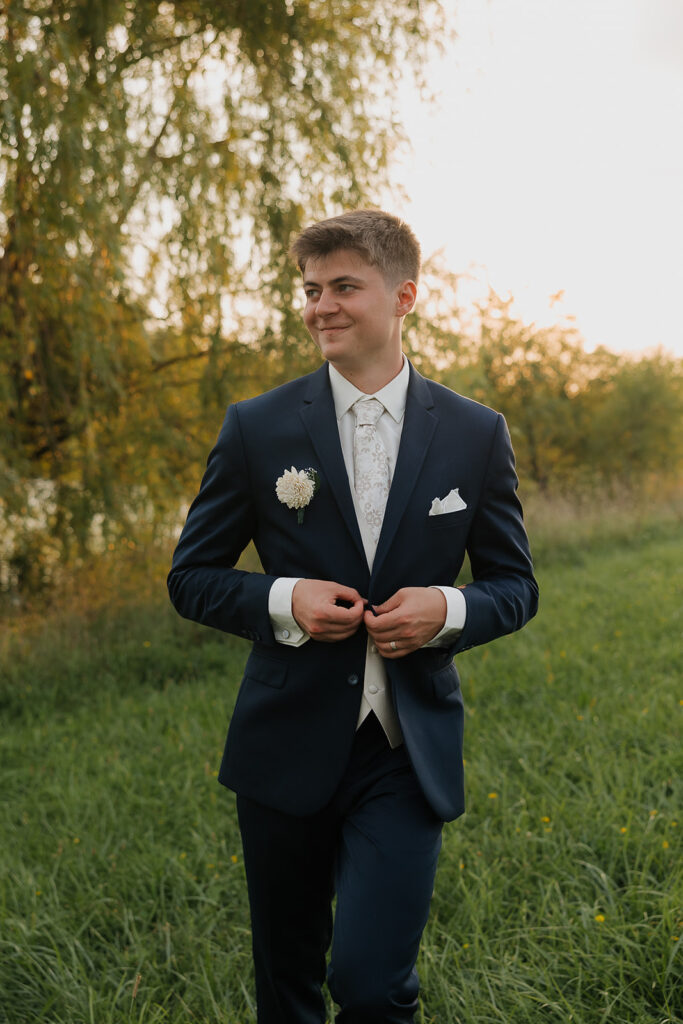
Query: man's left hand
point(407, 621)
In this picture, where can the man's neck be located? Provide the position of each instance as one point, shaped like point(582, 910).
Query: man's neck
point(371, 379)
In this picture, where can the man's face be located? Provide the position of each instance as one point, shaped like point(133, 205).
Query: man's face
point(352, 314)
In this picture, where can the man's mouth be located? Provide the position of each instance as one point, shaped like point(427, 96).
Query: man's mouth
point(330, 328)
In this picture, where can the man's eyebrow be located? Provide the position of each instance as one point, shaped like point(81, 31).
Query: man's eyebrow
point(336, 280)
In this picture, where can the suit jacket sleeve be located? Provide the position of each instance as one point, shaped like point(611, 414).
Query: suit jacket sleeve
point(504, 593)
point(203, 583)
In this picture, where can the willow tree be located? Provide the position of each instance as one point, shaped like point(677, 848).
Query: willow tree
point(155, 159)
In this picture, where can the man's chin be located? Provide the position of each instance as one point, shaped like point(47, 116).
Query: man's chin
point(332, 350)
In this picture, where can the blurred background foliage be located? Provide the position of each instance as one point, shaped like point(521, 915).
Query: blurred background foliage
point(155, 161)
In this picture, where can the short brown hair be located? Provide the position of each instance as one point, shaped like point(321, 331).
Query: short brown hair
point(380, 238)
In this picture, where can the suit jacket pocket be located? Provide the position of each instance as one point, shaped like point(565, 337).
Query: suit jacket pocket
point(459, 518)
point(266, 670)
point(445, 682)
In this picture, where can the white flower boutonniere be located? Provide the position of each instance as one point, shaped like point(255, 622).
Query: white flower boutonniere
point(296, 489)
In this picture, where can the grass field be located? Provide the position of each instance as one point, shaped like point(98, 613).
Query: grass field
point(560, 893)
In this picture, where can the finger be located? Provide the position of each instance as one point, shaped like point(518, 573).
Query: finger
point(342, 615)
point(370, 622)
point(357, 611)
point(390, 653)
point(340, 592)
point(337, 631)
point(392, 602)
point(331, 632)
point(328, 636)
point(382, 625)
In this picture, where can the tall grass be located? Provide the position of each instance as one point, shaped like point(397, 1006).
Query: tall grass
point(559, 895)
point(571, 526)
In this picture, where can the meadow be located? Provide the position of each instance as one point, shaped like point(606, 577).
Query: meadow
point(560, 892)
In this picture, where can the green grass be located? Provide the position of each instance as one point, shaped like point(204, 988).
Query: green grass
point(559, 894)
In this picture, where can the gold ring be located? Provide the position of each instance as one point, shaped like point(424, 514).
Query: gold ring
point(393, 645)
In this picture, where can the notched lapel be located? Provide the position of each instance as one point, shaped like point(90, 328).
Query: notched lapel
point(418, 429)
point(321, 423)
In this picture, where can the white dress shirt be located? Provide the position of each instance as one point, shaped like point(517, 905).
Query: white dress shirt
point(376, 694)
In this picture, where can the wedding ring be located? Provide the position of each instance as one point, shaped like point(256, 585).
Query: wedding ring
point(393, 645)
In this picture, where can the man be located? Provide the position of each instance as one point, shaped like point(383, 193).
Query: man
point(362, 486)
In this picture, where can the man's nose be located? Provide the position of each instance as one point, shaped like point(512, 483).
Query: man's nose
point(326, 304)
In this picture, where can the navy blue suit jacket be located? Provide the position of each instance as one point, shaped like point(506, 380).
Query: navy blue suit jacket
point(294, 721)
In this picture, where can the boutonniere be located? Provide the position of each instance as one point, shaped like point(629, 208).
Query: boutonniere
point(296, 489)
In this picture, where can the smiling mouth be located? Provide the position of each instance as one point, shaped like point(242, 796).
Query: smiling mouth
point(334, 327)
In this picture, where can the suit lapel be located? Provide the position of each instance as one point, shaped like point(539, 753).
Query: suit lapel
point(319, 418)
point(418, 428)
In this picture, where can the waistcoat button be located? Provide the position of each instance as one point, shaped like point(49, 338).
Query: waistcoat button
point(352, 680)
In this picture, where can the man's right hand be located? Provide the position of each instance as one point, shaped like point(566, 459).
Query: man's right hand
point(315, 608)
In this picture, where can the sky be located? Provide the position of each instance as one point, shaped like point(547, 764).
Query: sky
point(552, 161)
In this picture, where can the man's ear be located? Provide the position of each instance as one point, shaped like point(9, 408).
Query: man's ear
point(406, 293)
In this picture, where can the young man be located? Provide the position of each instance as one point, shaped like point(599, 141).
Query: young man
point(362, 486)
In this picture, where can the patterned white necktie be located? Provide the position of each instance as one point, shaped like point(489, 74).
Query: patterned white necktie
point(370, 464)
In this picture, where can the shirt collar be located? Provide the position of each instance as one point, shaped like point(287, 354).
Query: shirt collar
point(392, 395)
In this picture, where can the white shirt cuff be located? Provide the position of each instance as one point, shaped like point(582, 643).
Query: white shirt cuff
point(456, 613)
point(285, 627)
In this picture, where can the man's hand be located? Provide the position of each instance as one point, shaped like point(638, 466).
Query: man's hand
point(408, 620)
point(315, 608)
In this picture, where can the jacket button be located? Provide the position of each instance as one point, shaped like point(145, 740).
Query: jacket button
point(352, 680)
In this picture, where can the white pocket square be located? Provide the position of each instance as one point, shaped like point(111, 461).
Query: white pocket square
point(451, 503)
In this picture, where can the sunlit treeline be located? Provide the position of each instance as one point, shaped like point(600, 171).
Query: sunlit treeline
point(576, 418)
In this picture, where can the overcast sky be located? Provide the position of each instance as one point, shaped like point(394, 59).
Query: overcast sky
point(554, 161)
